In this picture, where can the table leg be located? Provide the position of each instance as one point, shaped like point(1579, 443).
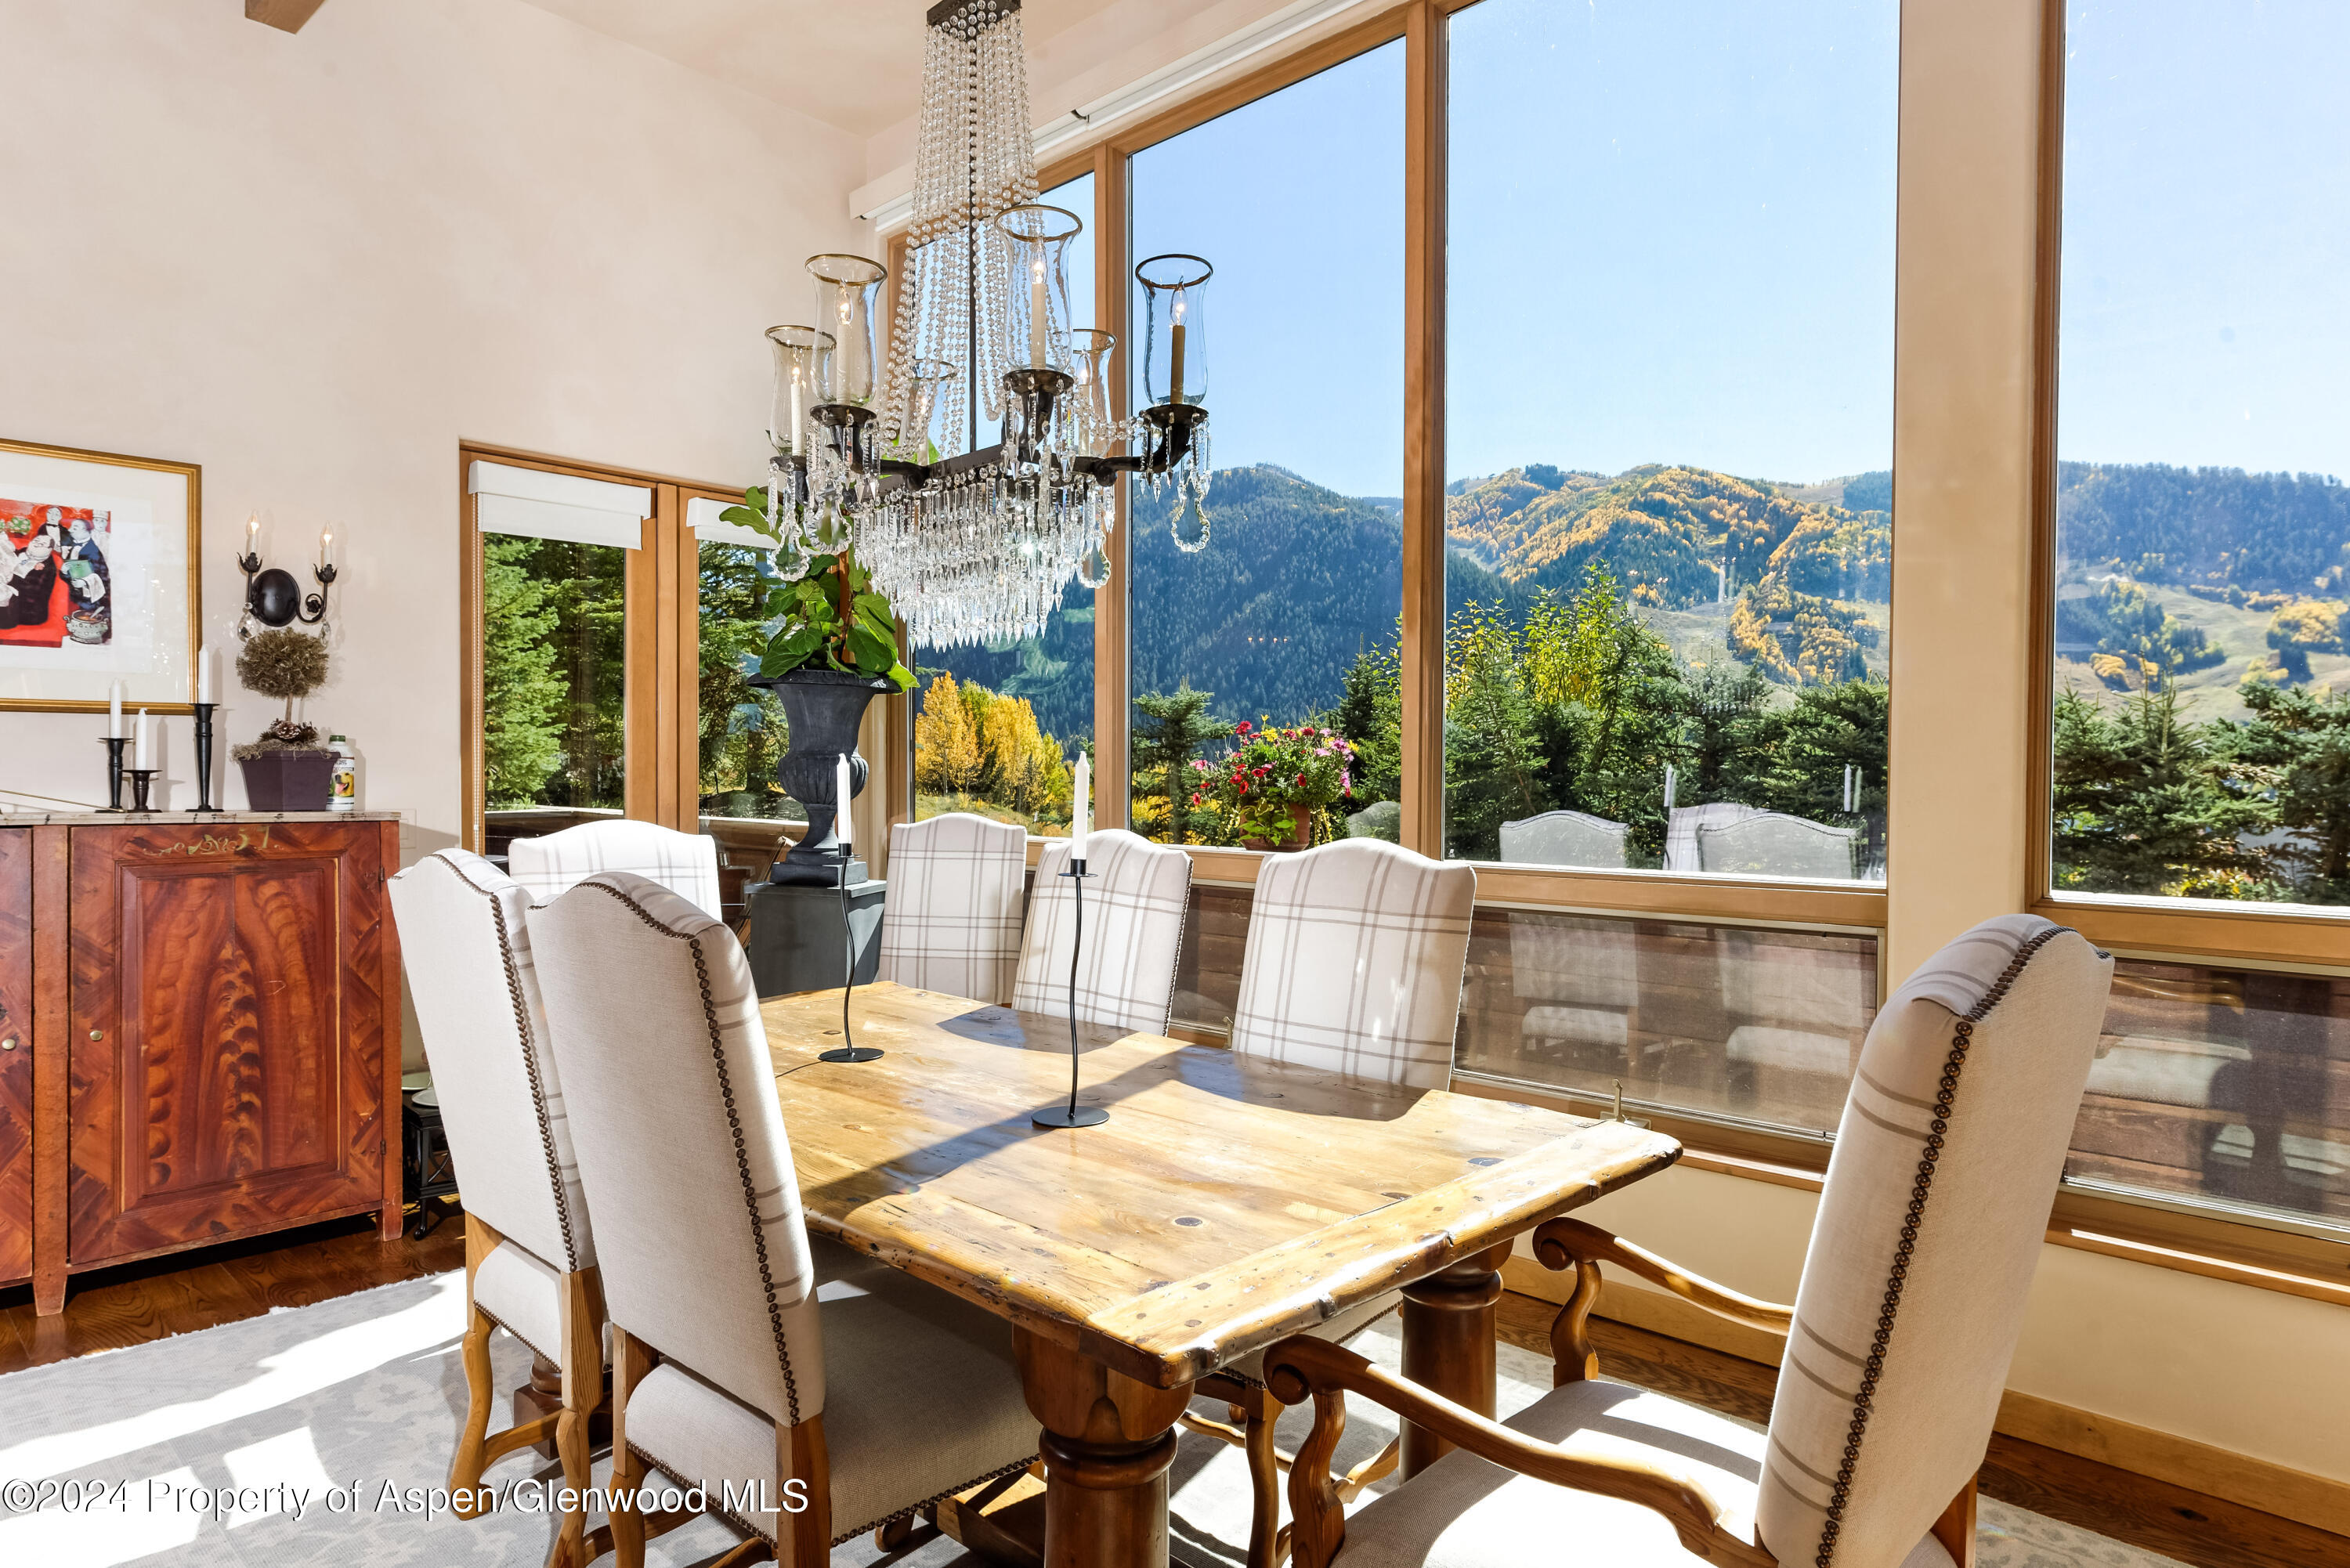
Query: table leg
point(1108, 1441)
point(1448, 1344)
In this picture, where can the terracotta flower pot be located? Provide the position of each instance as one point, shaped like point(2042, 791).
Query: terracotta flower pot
point(289, 780)
point(1300, 832)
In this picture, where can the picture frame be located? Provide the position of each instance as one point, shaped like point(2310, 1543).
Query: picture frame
point(100, 579)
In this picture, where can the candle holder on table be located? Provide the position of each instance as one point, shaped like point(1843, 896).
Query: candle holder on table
point(143, 779)
point(848, 1050)
point(114, 748)
point(204, 756)
point(1074, 1115)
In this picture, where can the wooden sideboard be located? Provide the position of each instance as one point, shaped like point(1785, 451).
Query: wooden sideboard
point(199, 1033)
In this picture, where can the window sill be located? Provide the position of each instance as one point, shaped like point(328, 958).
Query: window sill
point(2237, 1252)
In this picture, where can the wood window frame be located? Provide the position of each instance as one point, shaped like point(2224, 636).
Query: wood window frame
point(2242, 1251)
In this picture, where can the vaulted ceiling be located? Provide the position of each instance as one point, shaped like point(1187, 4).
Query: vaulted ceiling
point(855, 63)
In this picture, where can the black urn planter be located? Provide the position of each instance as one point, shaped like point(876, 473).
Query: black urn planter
point(824, 708)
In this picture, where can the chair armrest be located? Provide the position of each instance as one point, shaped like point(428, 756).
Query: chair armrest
point(1303, 1367)
point(1560, 1243)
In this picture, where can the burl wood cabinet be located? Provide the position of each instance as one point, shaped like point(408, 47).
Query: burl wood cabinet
point(199, 1034)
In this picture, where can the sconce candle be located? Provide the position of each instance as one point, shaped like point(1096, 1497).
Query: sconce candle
point(325, 546)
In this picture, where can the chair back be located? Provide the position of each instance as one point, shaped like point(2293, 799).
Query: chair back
point(1136, 893)
point(951, 916)
point(682, 1146)
point(1565, 839)
point(1773, 844)
point(1928, 1229)
point(685, 863)
point(1355, 959)
point(465, 938)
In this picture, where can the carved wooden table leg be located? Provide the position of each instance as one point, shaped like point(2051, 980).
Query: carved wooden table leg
point(1108, 1441)
point(1448, 1344)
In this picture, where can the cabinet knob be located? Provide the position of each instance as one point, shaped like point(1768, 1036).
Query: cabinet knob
point(9, 1043)
point(97, 1033)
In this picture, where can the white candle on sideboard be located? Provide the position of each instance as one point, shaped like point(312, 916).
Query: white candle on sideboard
point(114, 712)
point(1081, 810)
point(205, 663)
point(840, 795)
point(143, 742)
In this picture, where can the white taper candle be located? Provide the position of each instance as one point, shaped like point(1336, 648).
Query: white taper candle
point(1081, 809)
point(841, 796)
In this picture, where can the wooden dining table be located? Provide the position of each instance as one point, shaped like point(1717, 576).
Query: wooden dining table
point(1229, 1201)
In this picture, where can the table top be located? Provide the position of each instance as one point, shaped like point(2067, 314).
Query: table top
point(1229, 1200)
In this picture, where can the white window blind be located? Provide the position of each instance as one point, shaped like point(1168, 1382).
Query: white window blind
point(701, 517)
point(542, 505)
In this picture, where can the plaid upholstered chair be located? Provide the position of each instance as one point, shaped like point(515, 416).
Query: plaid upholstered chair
point(1929, 1230)
point(1354, 964)
point(950, 917)
point(870, 1395)
point(685, 863)
point(1135, 895)
point(530, 1252)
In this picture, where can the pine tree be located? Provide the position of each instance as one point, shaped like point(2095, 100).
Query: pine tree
point(1175, 725)
point(2146, 803)
point(2301, 740)
point(522, 696)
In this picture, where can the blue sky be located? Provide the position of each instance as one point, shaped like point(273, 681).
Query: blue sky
point(1672, 240)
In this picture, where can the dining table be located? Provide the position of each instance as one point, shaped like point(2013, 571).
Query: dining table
point(1229, 1201)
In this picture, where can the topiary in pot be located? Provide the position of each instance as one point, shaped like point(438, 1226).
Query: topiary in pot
point(285, 769)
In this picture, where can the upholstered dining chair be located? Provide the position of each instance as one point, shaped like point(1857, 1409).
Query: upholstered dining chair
point(950, 915)
point(685, 863)
point(530, 1251)
point(1354, 964)
point(1135, 895)
point(1912, 1295)
point(811, 1410)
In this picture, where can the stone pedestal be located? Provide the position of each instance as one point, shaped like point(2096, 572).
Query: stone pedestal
point(794, 943)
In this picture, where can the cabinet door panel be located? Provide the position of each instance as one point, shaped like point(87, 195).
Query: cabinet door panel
point(228, 1055)
point(16, 1054)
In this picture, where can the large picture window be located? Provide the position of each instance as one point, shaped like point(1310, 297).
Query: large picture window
point(1275, 645)
point(1668, 435)
point(2201, 681)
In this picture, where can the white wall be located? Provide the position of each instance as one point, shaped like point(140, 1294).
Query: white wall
point(314, 263)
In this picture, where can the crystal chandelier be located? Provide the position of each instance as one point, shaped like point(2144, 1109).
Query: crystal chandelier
point(978, 544)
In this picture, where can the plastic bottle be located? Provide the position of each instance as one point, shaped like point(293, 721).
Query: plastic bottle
point(343, 791)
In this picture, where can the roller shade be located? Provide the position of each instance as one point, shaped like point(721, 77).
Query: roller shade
point(541, 506)
point(701, 517)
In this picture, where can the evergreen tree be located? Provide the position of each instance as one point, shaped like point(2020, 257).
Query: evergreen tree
point(742, 730)
point(1492, 761)
point(2146, 803)
point(1370, 715)
point(2301, 739)
point(522, 696)
point(1173, 727)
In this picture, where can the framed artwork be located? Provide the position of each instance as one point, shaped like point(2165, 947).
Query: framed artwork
point(99, 579)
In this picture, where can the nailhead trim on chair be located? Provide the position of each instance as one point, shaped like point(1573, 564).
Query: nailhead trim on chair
point(529, 1064)
point(735, 1126)
point(1962, 1037)
point(912, 1509)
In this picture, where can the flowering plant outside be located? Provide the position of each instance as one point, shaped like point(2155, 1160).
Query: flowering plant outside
point(1261, 782)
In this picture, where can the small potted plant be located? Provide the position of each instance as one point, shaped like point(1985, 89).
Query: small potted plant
point(1270, 785)
point(833, 651)
point(285, 769)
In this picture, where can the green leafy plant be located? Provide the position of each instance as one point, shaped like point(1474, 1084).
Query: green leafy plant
point(831, 618)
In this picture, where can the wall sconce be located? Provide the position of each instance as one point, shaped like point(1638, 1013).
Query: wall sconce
point(272, 598)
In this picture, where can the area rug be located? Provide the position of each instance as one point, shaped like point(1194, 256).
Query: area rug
point(311, 1436)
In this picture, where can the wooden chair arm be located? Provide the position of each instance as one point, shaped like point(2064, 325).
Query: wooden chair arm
point(1563, 1243)
point(1302, 1367)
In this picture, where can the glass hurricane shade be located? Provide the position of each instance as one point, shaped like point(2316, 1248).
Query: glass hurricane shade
point(1036, 325)
point(1175, 349)
point(844, 290)
point(926, 382)
point(1089, 355)
point(800, 354)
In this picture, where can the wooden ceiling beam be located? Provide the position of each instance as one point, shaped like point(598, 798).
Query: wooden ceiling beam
point(287, 16)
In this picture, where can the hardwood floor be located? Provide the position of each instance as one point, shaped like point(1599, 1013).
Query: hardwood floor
point(164, 1296)
point(107, 1309)
point(2206, 1531)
